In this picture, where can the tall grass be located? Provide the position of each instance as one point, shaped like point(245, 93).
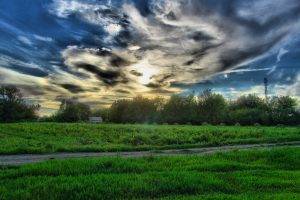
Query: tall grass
point(255, 174)
point(55, 137)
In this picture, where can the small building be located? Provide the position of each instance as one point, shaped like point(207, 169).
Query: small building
point(96, 120)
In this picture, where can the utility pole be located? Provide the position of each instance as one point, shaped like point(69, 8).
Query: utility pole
point(266, 82)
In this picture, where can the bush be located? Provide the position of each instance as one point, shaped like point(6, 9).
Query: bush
point(248, 116)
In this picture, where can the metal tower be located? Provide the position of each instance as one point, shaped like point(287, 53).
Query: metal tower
point(266, 82)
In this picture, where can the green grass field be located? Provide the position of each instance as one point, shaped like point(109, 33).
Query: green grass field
point(252, 174)
point(55, 137)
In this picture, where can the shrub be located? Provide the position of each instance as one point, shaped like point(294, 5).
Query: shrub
point(248, 116)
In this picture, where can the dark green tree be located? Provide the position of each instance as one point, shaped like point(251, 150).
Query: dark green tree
point(136, 110)
point(248, 110)
point(104, 113)
point(118, 111)
point(72, 111)
point(250, 101)
point(211, 107)
point(283, 110)
point(179, 109)
point(13, 107)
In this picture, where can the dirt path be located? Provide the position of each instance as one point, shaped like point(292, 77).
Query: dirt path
point(34, 158)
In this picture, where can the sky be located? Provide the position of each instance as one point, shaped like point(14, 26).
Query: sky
point(98, 51)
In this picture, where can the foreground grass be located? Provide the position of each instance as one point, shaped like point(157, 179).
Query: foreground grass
point(255, 174)
point(55, 137)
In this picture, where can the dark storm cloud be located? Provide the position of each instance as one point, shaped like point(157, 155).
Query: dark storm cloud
point(159, 81)
point(109, 77)
point(135, 73)
point(122, 91)
point(117, 61)
point(199, 36)
point(72, 88)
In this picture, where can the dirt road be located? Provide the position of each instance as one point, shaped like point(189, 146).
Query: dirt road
point(34, 158)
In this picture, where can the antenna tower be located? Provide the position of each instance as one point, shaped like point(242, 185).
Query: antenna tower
point(266, 83)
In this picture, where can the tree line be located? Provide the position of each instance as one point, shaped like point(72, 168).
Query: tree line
point(205, 108)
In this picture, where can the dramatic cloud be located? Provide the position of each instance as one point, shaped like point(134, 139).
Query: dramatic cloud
point(103, 50)
point(191, 40)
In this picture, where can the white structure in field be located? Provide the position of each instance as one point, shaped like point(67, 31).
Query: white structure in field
point(96, 120)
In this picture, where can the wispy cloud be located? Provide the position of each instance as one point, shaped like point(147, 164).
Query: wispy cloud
point(280, 54)
point(25, 40)
point(42, 38)
point(246, 70)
